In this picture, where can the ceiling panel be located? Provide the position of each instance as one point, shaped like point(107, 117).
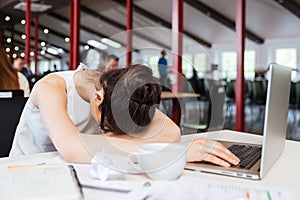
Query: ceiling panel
point(270, 20)
point(266, 18)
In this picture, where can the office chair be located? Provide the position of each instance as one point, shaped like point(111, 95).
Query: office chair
point(11, 109)
point(32, 79)
point(259, 97)
point(230, 100)
point(294, 102)
point(215, 116)
point(11, 93)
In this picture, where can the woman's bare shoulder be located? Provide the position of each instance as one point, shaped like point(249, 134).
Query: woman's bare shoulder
point(50, 81)
point(52, 84)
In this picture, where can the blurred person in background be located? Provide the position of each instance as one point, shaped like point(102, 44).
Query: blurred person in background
point(10, 78)
point(20, 65)
point(111, 62)
point(163, 71)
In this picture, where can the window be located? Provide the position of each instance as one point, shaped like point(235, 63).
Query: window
point(187, 65)
point(229, 64)
point(286, 57)
point(153, 61)
point(249, 64)
point(200, 62)
point(55, 65)
point(44, 65)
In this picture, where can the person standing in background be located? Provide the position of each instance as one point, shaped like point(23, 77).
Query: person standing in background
point(214, 74)
point(111, 62)
point(11, 79)
point(163, 70)
point(20, 65)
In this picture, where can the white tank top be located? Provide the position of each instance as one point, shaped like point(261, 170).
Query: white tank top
point(31, 135)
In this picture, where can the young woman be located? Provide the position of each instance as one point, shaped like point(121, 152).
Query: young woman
point(65, 109)
point(10, 79)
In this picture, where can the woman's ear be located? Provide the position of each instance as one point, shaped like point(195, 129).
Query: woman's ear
point(99, 97)
point(97, 100)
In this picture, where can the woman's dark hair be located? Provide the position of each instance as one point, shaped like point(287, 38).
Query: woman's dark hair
point(130, 96)
point(8, 76)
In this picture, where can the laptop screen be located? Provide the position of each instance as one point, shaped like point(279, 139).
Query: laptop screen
point(277, 106)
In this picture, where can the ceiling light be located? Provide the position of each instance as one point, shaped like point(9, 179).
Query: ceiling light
point(7, 18)
point(86, 47)
point(8, 40)
point(43, 44)
point(7, 50)
point(111, 43)
point(60, 50)
point(46, 31)
point(67, 39)
point(52, 51)
point(34, 7)
point(23, 36)
point(23, 21)
point(14, 55)
point(16, 48)
point(22, 54)
point(97, 44)
point(31, 53)
point(43, 52)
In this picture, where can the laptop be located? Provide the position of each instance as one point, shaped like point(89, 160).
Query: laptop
point(260, 158)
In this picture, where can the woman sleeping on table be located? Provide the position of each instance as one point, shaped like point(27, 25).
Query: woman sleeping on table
point(65, 109)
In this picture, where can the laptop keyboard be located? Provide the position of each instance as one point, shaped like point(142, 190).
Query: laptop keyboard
point(248, 155)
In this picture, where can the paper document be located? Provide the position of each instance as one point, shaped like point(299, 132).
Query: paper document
point(190, 188)
point(40, 182)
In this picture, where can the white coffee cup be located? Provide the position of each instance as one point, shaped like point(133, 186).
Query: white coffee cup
point(160, 161)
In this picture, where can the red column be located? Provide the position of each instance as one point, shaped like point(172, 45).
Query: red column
point(71, 35)
point(1, 31)
point(239, 85)
point(27, 32)
point(12, 36)
point(128, 31)
point(177, 28)
point(76, 34)
point(36, 43)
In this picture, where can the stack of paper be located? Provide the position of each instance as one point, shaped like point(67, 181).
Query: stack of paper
point(40, 182)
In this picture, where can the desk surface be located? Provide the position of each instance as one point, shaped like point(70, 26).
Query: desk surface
point(285, 172)
point(171, 95)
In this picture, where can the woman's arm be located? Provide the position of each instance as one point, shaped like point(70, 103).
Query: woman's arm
point(161, 129)
point(200, 149)
point(49, 95)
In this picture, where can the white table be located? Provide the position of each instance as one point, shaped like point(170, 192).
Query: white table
point(285, 172)
point(176, 110)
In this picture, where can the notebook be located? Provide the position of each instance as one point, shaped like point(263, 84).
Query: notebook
point(274, 133)
point(40, 182)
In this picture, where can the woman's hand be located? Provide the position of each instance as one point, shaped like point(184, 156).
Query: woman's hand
point(202, 149)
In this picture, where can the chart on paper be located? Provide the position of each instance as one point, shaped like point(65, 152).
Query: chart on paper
point(214, 189)
point(242, 192)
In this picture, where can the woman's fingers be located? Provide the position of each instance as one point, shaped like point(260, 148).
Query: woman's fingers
point(213, 159)
point(219, 150)
point(212, 151)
